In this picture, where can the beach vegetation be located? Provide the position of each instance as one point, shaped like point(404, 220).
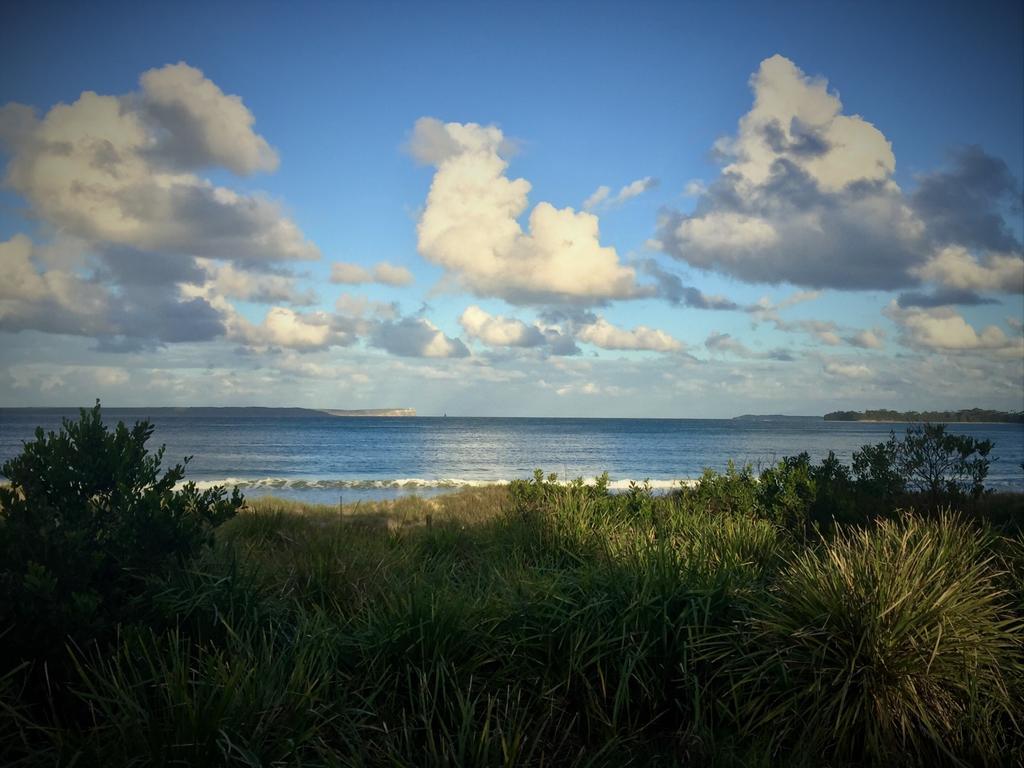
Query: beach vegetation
point(766, 620)
point(87, 515)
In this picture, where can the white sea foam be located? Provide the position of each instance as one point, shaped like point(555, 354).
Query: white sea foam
point(409, 483)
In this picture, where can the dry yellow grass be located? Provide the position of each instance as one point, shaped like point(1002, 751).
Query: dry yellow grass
point(465, 506)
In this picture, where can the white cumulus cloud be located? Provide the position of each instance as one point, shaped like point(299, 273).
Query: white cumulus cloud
point(286, 328)
point(498, 331)
point(382, 272)
point(236, 282)
point(470, 226)
point(797, 117)
point(955, 267)
point(119, 171)
point(943, 329)
point(805, 195)
point(200, 125)
point(54, 300)
point(866, 339)
point(603, 334)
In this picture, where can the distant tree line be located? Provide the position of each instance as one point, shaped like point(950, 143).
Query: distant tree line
point(967, 415)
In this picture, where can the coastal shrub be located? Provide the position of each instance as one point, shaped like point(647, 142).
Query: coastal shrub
point(928, 465)
point(86, 516)
point(549, 623)
point(876, 473)
point(786, 492)
point(530, 496)
point(892, 644)
point(794, 493)
point(731, 492)
point(835, 493)
point(1003, 510)
point(942, 467)
point(803, 497)
point(639, 502)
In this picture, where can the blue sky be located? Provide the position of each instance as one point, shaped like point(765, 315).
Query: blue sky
point(862, 231)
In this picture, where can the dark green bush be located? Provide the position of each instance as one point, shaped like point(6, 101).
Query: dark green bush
point(876, 473)
point(529, 496)
point(928, 468)
point(835, 493)
point(794, 493)
point(86, 517)
point(639, 502)
point(732, 492)
point(803, 497)
point(786, 492)
point(941, 467)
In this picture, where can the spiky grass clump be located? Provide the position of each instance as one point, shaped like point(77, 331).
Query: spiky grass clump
point(256, 698)
point(892, 644)
point(737, 551)
point(16, 724)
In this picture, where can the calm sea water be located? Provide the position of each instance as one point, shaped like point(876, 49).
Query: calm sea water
point(318, 457)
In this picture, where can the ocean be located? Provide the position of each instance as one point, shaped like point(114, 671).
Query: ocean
point(315, 457)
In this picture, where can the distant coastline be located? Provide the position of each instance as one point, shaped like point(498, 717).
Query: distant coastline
point(774, 417)
point(239, 411)
point(966, 416)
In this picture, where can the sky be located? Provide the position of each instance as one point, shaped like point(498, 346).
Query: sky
point(530, 209)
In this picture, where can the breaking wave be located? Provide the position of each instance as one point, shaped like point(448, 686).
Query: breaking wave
point(408, 483)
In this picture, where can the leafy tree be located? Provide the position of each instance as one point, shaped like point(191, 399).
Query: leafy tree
point(834, 492)
point(877, 475)
point(929, 460)
point(85, 518)
point(943, 466)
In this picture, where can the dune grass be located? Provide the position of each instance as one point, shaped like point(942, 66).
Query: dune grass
point(552, 625)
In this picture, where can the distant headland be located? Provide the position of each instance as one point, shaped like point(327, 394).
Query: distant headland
point(970, 415)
